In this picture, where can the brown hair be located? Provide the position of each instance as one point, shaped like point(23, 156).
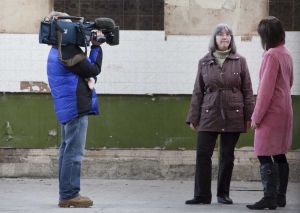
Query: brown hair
point(271, 32)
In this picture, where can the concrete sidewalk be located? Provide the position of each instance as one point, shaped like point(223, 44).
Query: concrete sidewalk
point(131, 196)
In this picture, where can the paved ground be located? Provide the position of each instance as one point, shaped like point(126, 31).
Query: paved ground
point(130, 196)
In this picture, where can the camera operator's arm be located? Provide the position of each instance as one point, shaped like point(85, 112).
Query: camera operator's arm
point(90, 67)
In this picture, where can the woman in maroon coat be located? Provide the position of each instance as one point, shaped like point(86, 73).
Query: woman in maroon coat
point(222, 104)
point(273, 114)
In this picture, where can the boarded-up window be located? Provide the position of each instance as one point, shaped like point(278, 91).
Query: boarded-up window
point(128, 14)
point(199, 17)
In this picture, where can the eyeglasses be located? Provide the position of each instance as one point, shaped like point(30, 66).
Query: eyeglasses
point(223, 34)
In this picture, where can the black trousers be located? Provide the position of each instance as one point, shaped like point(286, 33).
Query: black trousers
point(205, 146)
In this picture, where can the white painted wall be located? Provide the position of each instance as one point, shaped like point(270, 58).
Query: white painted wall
point(143, 63)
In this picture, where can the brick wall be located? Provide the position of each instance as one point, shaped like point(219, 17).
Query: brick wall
point(287, 11)
point(128, 14)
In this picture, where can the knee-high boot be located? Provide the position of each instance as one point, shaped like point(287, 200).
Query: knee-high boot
point(269, 180)
point(283, 178)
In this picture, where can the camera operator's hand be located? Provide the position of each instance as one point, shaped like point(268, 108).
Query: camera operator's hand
point(91, 82)
point(96, 41)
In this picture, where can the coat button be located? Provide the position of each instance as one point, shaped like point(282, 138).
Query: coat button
point(207, 110)
point(237, 110)
point(222, 130)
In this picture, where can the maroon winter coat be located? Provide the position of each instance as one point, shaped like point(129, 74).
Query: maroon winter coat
point(222, 99)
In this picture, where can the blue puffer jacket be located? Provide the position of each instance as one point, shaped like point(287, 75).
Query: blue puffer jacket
point(71, 94)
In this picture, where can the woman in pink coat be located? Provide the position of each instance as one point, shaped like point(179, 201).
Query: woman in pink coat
point(272, 116)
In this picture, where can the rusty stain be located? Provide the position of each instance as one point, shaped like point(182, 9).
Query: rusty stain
point(246, 38)
point(34, 86)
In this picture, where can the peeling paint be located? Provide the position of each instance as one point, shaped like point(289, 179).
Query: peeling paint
point(175, 3)
point(246, 38)
point(52, 132)
point(168, 141)
point(34, 86)
point(229, 5)
point(216, 4)
point(8, 131)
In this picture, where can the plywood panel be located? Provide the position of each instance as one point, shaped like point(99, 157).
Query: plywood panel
point(199, 17)
point(23, 16)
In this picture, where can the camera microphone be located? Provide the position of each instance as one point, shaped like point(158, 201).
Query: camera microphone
point(105, 24)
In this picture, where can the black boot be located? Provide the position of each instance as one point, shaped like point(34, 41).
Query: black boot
point(283, 178)
point(269, 179)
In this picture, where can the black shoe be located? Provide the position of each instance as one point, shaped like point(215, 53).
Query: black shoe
point(224, 199)
point(198, 200)
point(264, 203)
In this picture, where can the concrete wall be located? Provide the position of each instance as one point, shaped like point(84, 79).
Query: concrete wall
point(125, 121)
point(132, 164)
point(143, 63)
point(23, 16)
point(198, 17)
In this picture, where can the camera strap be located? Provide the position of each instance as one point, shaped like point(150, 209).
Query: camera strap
point(72, 61)
point(81, 31)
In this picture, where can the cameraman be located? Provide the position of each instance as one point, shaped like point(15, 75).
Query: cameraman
point(73, 100)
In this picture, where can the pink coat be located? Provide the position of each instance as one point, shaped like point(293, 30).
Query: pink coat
point(273, 110)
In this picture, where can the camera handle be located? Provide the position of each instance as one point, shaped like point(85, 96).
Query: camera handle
point(75, 18)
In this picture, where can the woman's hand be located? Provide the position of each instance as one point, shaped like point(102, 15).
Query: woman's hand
point(248, 124)
point(254, 125)
point(192, 126)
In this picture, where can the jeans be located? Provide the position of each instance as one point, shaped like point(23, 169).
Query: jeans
point(205, 147)
point(73, 138)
